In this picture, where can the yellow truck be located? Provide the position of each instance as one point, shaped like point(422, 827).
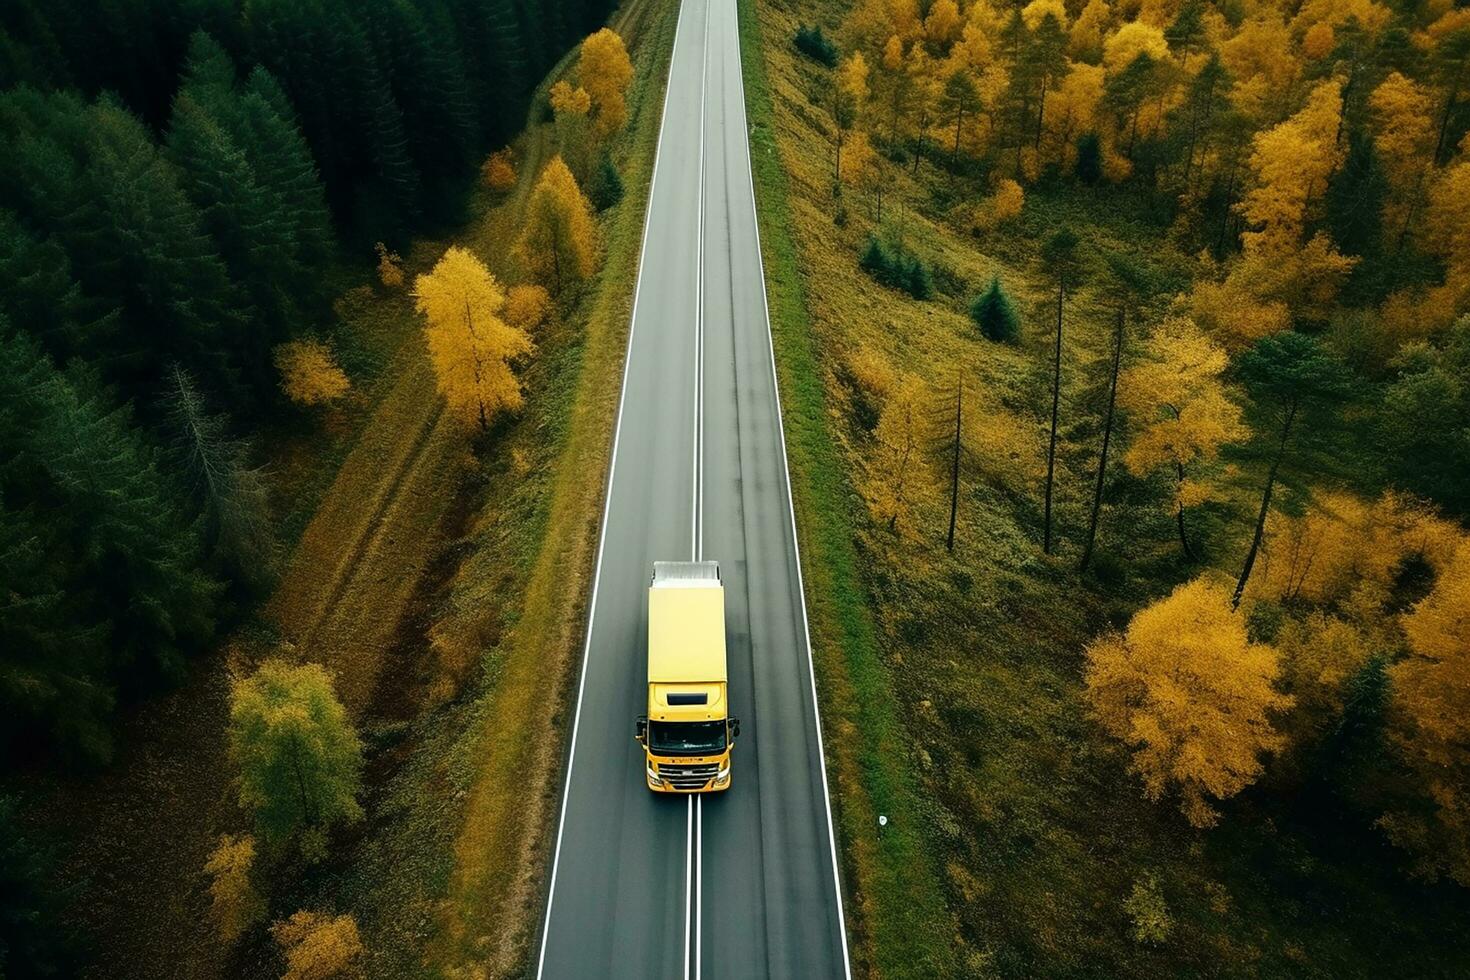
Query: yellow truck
point(688, 732)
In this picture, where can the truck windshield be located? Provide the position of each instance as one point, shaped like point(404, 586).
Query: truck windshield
point(686, 737)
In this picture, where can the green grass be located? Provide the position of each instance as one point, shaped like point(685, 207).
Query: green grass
point(898, 919)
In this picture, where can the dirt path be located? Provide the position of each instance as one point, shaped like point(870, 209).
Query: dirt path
point(346, 588)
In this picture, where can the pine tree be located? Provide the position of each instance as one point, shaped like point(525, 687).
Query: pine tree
point(995, 315)
point(120, 598)
point(41, 292)
point(1355, 198)
point(230, 496)
point(1295, 383)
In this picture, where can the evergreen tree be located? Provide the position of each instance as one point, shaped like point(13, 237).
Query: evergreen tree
point(1089, 159)
point(230, 496)
point(40, 291)
point(1355, 198)
point(607, 185)
point(1294, 384)
point(253, 234)
point(995, 314)
point(33, 943)
point(115, 563)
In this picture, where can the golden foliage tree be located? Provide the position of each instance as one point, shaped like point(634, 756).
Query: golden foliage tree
point(572, 107)
point(309, 372)
point(1177, 398)
point(559, 241)
point(1187, 690)
point(318, 946)
point(527, 306)
point(234, 902)
point(472, 348)
point(499, 172)
point(1292, 162)
point(1349, 551)
point(605, 71)
point(390, 266)
point(1404, 135)
point(1432, 702)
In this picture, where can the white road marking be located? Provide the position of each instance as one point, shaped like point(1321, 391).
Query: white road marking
point(795, 541)
point(698, 881)
point(688, 876)
point(606, 507)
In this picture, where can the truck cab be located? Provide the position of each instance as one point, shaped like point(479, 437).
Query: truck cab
point(688, 732)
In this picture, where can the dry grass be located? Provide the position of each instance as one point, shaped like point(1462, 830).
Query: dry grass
point(531, 566)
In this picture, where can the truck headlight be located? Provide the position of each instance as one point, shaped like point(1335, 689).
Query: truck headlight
point(653, 776)
point(723, 774)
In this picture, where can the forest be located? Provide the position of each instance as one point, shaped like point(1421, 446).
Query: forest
point(190, 197)
point(1144, 329)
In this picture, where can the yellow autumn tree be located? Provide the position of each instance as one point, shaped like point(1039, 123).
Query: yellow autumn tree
point(233, 900)
point(1191, 695)
point(1431, 700)
point(942, 25)
point(1176, 398)
point(1292, 162)
point(605, 71)
point(1320, 652)
point(527, 306)
point(559, 240)
point(471, 347)
point(499, 172)
point(390, 266)
point(898, 478)
point(571, 108)
point(1085, 41)
point(309, 373)
point(318, 946)
point(1404, 134)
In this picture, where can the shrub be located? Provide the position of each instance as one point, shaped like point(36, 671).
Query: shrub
point(896, 267)
point(995, 315)
point(811, 42)
point(309, 372)
point(498, 173)
point(318, 946)
point(235, 903)
point(1146, 909)
point(607, 184)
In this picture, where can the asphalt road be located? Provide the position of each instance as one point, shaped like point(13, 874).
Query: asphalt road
point(741, 883)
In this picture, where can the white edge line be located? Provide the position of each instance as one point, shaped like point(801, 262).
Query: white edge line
point(698, 882)
point(688, 876)
point(612, 467)
point(699, 309)
point(791, 509)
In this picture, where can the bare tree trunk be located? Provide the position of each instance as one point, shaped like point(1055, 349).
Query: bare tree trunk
point(1179, 514)
point(1056, 396)
point(954, 472)
point(1102, 462)
point(1250, 556)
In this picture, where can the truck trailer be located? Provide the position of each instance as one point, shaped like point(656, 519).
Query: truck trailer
point(687, 733)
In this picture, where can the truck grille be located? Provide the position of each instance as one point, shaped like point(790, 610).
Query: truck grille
point(687, 776)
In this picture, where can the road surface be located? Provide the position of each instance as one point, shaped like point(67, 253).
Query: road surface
point(741, 883)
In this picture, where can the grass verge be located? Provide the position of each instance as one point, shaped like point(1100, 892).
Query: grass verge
point(898, 921)
point(549, 540)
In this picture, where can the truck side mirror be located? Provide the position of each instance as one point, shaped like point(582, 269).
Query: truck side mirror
point(734, 729)
point(640, 729)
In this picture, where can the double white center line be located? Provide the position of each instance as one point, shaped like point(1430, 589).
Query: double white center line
point(693, 849)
